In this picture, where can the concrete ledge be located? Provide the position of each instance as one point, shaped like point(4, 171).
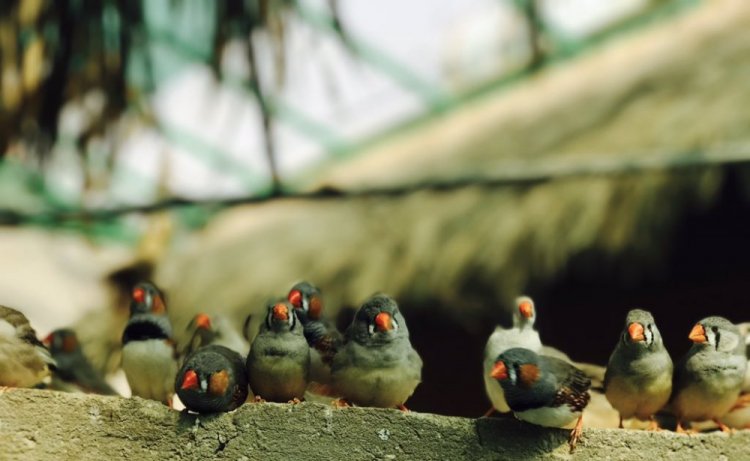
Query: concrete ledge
point(45, 425)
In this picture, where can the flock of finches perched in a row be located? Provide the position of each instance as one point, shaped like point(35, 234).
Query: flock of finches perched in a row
point(297, 354)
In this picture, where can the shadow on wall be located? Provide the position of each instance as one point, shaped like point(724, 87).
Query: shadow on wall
point(705, 272)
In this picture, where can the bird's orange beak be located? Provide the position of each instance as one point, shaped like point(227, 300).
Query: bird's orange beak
point(499, 371)
point(295, 297)
point(698, 334)
point(203, 321)
point(635, 330)
point(190, 380)
point(47, 341)
point(280, 312)
point(138, 295)
point(526, 309)
point(383, 321)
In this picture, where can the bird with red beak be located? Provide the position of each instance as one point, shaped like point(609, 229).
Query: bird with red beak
point(709, 378)
point(149, 358)
point(278, 364)
point(638, 379)
point(377, 365)
point(212, 379)
point(521, 334)
point(218, 329)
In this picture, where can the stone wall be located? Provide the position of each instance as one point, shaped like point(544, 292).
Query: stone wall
point(45, 425)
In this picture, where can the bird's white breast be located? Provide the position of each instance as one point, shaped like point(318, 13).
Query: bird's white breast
point(150, 368)
point(561, 416)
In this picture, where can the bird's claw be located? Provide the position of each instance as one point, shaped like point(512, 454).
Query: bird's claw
point(723, 427)
point(403, 408)
point(653, 425)
point(489, 412)
point(742, 402)
point(575, 434)
point(295, 401)
point(681, 430)
point(341, 403)
point(259, 399)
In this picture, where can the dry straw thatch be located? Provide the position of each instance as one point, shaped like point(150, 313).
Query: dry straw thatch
point(676, 86)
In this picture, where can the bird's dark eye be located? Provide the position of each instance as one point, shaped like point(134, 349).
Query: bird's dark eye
point(715, 329)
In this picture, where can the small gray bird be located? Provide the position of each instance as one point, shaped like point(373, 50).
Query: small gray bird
point(74, 372)
point(638, 380)
point(521, 334)
point(377, 366)
point(708, 379)
point(541, 390)
point(24, 361)
point(212, 379)
point(214, 329)
point(149, 358)
point(322, 336)
point(278, 364)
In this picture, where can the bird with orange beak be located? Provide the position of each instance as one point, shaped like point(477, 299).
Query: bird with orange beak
point(542, 390)
point(74, 372)
point(212, 379)
point(322, 336)
point(521, 334)
point(149, 358)
point(205, 329)
point(278, 364)
point(708, 379)
point(377, 365)
point(638, 379)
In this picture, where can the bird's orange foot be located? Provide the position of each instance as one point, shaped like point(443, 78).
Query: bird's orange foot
point(724, 428)
point(4, 389)
point(742, 402)
point(259, 399)
point(653, 425)
point(403, 408)
point(341, 403)
point(681, 430)
point(489, 412)
point(575, 434)
point(295, 401)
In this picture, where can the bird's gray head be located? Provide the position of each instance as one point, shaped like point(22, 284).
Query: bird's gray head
point(280, 316)
point(62, 341)
point(147, 299)
point(640, 330)
point(719, 334)
point(307, 301)
point(524, 313)
point(201, 330)
point(378, 321)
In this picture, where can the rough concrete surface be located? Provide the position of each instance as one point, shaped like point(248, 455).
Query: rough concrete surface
point(45, 425)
